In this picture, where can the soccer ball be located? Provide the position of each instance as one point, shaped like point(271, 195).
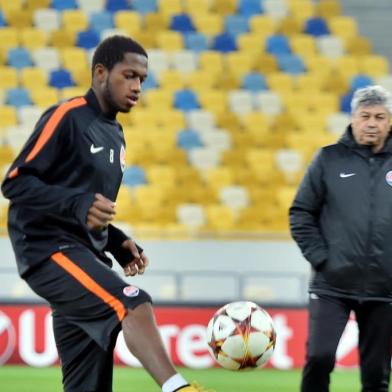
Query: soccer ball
point(241, 335)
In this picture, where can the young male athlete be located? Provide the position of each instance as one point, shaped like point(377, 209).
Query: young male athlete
point(62, 188)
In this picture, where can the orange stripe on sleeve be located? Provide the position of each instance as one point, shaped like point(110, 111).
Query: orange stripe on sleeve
point(13, 173)
point(90, 284)
point(52, 123)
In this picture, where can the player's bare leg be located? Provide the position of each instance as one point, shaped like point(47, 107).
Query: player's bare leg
point(144, 341)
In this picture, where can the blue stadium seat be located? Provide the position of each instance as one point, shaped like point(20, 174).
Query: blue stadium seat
point(18, 97)
point(345, 102)
point(87, 39)
point(134, 176)
point(150, 82)
point(360, 81)
point(316, 26)
point(182, 23)
point(224, 42)
point(254, 81)
point(291, 63)
point(236, 24)
point(19, 58)
point(100, 21)
point(2, 19)
point(188, 139)
point(144, 6)
point(196, 41)
point(61, 5)
point(278, 44)
point(117, 5)
point(249, 7)
point(60, 78)
point(185, 100)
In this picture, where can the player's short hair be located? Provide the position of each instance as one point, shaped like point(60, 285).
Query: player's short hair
point(370, 96)
point(112, 50)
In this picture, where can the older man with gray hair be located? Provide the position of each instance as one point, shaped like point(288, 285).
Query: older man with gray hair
point(341, 219)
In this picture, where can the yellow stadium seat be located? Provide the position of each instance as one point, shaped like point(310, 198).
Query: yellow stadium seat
point(219, 218)
point(266, 63)
point(263, 25)
point(170, 40)
point(155, 21)
point(8, 116)
point(303, 44)
point(239, 63)
point(62, 38)
point(128, 21)
point(301, 9)
point(82, 77)
point(256, 121)
point(19, 18)
point(343, 26)
point(170, 7)
point(196, 6)
point(290, 25)
point(33, 78)
point(310, 82)
point(74, 20)
point(44, 97)
point(35, 4)
point(171, 79)
point(211, 61)
point(158, 98)
point(32, 38)
point(209, 24)
point(9, 37)
point(317, 62)
point(374, 65)
point(70, 92)
point(219, 177)
point(358, 46)
point(200, 80)
point(280, 82)
point(147, 38)
point(6, 154)
point(161, 175)
point(251, 42)
point(9, 77)
point(328, 8)
point(214, 100)
point(173, 120)
point(347, 66)
point(224, 7)
point(7, 5)
point(74, 58)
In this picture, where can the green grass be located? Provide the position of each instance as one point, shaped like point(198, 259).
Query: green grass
point(26, 379)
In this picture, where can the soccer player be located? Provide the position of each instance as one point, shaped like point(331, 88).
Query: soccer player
point(62, 190)
point(341, 219)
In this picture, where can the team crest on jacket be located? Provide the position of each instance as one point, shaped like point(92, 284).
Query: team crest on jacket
point(122, 158)
point(388, 178)
point(131, 291)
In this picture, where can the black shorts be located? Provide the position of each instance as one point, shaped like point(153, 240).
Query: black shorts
point(89, 301)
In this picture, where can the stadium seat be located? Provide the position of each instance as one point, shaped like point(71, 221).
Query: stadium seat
point(88, 39)
point(60, 78)
point(328, 8)
point(19, 18)
point(203, 158)
point(188, 139)
point(278, 44)
point(291, 64)
point(277, 9)
point(268, 102)
point(63, 5)
point(91, 6)
point(240, 101)
point(374, 65)
point(291, 163)
point(32, 38)
point(2, 19)
point(101, 20)
point(44, 97)
point(129, 21)
point(234, 196)
point(46, 58)
point(8, 116)
point(18, 97)
point(200, 120)
point(74, 58)
point(185, 100)
point(220, 218)
point(184, 61)
point(46, 19)
point(224, 42)
point(360, 81)
point(196, 41)
point(254, 81)
point(249, 8)
point(144, 6)
point(9, 37)
point(303, 45)
point(29, 115)
point(134, 176)
point(191, 215)
point(330, 46)
point(117, 5)
point(236, 25)
point(197, 7)
point(182, 23)
point(316, 26)
point(62, 39)
point(209, 24)
point(250, 43)
point(9, 77)
point(170, 7)
point(218, 139)
point(170, 41)
point(19, 58)
point(337, 122)
point(343, 26)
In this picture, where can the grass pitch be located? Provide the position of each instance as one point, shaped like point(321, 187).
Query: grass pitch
point(27, 379)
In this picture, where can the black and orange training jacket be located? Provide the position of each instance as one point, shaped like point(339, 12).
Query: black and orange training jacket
point(74, 152)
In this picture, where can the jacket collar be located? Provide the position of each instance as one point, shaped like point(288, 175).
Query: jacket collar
point(348, 140)
point(92, 101)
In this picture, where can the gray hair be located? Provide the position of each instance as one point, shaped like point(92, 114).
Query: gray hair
point(370, 96)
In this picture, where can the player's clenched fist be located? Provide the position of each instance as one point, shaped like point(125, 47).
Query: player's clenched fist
point(101, 212)
point(139, 262)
